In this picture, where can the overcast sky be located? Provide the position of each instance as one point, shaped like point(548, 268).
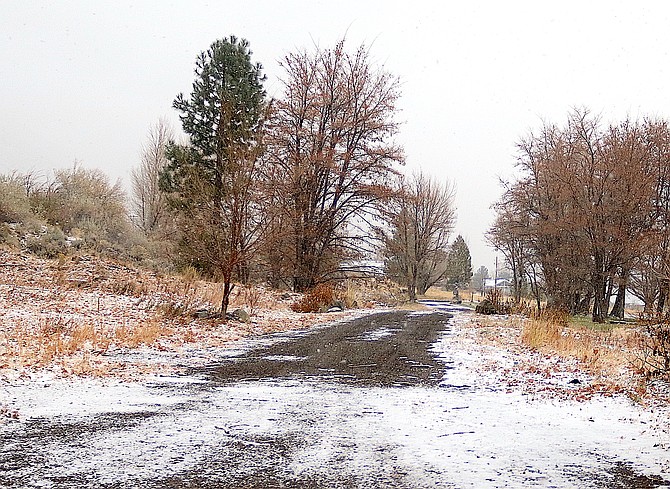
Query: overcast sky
point(85, 80)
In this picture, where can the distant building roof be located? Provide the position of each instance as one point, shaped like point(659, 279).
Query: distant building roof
point(491, 283)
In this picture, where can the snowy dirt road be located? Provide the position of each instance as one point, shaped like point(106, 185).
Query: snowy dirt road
point(383, 401)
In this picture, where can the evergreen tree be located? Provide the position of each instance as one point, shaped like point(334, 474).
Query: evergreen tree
point(459, 264)
point(211, 179)
point(479, 279)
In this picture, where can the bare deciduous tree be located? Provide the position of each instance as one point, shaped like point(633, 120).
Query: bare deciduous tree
point(420, 219)
point(333, 154)
point(148, 202)
point(588, 195)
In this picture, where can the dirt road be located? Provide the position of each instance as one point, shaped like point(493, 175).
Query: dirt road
point(383, 401)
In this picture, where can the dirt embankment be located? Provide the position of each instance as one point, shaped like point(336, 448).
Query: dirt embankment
point(82, 315)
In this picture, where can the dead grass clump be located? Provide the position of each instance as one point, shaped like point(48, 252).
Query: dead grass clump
point(599, 350)
point(144, 334)
point(128, 286)
point(51, 341)
point(253, 298)
point(173, 309)
point(74, 347)
point(540, 333)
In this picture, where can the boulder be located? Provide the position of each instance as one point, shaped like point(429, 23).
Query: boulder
point(202, 314)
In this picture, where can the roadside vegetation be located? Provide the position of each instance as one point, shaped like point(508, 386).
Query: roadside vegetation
point(298, 204)
point(583, 227)
point(229, 229)
point(80, 314)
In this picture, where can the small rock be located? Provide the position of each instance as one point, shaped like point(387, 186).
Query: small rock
point(241, 315)
point(337, 306)
point(202, 314)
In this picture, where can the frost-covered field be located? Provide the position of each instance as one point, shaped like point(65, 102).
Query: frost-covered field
point(193, 432)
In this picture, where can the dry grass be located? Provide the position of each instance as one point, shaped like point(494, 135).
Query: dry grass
point(366, 293)
point(318, 299)
point(412, 306)
point(65, 314)
point(601, 351)
point(440, 294)
point(75, 347)
point(146, 334)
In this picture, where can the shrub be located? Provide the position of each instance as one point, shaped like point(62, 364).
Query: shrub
point(544, 329)
point(14, 203)
point(318, 299)
point(50, 242)
point(494, 304)
point(654, 347)
point(8, 235)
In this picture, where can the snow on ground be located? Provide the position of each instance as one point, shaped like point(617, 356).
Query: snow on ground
point(469, 431)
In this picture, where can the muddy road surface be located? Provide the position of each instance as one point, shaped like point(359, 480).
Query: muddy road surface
point(382, 401)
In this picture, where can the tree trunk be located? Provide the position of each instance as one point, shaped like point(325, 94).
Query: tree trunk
point(302, 284)
point(243, 272)
point(304, 278)
point(306, 267)
point(411, 290)
point(225, 301)
point(620, 301)
point(584, 304)
point(599, 283)
point(411, 284)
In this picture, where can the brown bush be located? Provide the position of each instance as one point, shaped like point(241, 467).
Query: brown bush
point(494, 304)
point(318, 299)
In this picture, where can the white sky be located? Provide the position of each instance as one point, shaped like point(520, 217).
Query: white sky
point(85, 80)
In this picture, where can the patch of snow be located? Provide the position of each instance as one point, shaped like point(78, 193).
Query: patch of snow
point(377, 334)
point(284, 358)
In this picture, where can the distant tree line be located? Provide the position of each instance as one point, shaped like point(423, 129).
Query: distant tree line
point(587, 219)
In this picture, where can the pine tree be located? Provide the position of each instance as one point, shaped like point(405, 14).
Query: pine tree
point(459, 264)
point(211, 179)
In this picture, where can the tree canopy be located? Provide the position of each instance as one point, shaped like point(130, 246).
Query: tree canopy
point(588, 205)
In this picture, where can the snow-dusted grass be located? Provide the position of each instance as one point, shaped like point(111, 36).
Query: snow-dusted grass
point(472, 430)
point(81, 315)
point(599, 350)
